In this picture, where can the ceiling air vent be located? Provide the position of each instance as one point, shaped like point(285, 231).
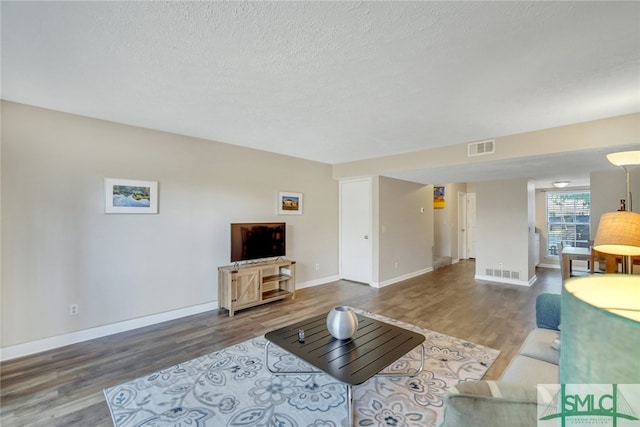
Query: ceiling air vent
point(481, 148)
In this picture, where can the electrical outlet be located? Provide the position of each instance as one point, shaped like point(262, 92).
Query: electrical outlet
point(317, 267)
point(500, 265)
point(73, 309)
point(396, 265)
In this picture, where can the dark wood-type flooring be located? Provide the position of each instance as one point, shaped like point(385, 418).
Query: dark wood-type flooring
point(63, 387)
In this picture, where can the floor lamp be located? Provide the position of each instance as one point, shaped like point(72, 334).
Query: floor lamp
point(627, 160)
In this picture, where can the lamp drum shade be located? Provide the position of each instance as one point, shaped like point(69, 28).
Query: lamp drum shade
point(625, 158)
point(600, 332)
point(618, 234)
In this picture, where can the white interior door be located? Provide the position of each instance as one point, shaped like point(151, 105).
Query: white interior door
point(471, 225)
point(355, 230)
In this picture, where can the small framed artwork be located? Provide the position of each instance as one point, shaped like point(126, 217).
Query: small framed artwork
point(289, 203)
point(438, 197)
point(130, 196)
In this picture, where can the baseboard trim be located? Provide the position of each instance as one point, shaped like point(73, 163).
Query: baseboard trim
point(556, 266)
point(400, 278)
point(317, 282)
point(32, 347)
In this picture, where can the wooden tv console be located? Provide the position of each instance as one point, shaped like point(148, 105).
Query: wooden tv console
point(247, 285)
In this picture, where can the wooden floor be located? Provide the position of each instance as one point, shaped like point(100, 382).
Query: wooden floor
point(63, 387)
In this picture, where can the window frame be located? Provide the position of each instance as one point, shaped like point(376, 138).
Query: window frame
point(573, 226)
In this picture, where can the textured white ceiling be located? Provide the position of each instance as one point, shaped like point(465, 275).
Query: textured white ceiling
point(327, 81)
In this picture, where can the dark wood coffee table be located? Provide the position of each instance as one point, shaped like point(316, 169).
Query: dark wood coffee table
point(375, 346)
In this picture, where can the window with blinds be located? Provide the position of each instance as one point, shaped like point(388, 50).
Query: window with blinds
point(568, 219)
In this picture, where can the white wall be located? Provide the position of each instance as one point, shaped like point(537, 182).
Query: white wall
point(607, 188)
point(541, 226)
point(442, 224)
point(60, 248)
point(597, 134)
point(503, 235)
point(531, 229)
point(445, 223)
point(405, 229)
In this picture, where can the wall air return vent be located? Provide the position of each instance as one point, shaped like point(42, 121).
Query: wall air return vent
point(507, 274)
point(481, 148)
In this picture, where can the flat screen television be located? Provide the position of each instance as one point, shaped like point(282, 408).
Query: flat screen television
point(257, 240)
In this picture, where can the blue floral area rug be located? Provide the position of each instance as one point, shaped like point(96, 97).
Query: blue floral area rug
point(232, 387)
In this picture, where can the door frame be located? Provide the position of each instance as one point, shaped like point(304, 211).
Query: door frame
point(471, 245)
point(464, 248)
point(369, 227)
point(462, 225)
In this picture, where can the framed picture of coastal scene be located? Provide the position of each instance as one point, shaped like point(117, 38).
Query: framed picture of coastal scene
point(289, 203)
point(130, 196)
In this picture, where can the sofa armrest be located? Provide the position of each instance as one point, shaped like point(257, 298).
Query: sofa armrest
point(490, 404)
point(548, 311)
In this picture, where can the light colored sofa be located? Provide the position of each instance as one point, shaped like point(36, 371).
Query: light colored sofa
point(512, 400)
point(538, 358)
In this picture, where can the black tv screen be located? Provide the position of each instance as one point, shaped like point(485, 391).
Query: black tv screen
point(257, 240)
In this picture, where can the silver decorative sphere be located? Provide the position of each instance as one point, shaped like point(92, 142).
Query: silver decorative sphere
point(342, 322)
